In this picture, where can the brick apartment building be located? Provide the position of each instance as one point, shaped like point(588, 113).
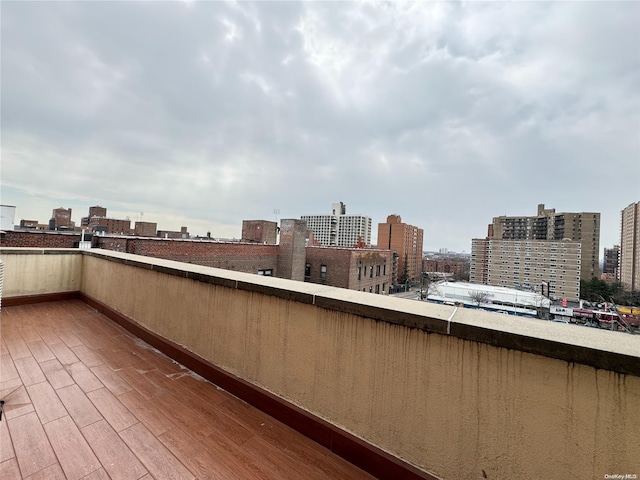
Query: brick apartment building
point(182, 233)
point(611, 263)
point(259, 231)
point(406, 241)
point(443, 266)
point(363, 269)
point(145, 229)
point(62, 217)
point(355, 268)
point(630, 247)
point(546, 266)
point(583, 227)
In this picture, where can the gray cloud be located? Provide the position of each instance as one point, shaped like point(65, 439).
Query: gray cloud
point(207, 113)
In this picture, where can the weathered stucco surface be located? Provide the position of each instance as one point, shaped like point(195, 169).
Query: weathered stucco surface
point(456, 408)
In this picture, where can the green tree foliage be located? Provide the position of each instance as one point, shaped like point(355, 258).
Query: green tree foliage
point(595, 290)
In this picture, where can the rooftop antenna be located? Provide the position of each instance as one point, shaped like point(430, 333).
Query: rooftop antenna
point(276, 212)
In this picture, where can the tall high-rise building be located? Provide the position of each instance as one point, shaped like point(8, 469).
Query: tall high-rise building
point(630, 247)
point(546, 266)
point(406, 240)
point(583, 227)
point(611, 263)
point(339, 229)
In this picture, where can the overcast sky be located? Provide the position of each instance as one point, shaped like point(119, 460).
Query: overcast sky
point(206, 113)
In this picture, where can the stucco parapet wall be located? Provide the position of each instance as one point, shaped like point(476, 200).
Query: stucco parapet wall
point(603, 349)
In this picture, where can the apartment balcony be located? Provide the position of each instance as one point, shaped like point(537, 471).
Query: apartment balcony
point(103, 355)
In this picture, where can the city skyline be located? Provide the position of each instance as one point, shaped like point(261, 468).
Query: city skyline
point(205, 114)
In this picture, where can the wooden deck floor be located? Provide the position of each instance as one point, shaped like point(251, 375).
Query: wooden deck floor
point(87, 400)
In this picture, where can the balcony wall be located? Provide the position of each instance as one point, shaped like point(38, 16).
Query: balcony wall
point(457, 393)
point(37, 271)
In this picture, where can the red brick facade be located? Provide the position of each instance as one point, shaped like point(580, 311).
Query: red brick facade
point(39, 239)
point(241, 257)
point(363, 269)
point(368, 270)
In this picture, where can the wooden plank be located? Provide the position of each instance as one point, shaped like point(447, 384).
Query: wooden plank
point(116, 458)
point(6, 447)
point(200, 461)
point(17, 403)
point(29, 371)
point(3, 348)
point(48, 335)
point(79, 406)
point(111, 379)
point(202, 388)
point(40, 351)
point(54, 472)
point(28, 333)
point(31, 444)
point(74, 453)
point(140, 382)
point(112, 409)
point(7, 368)
point(87, 356)
point(47, 404)
point(153, 418)
point(159, 460)
point(17, 347)
point(56, 374)
point(84, 377)
point(9, 469)
point(7, 387)
point(277, 463)
point(69, 338)
point(63, 354)
point(184, 415)
point(100, 474)
point(235, 459)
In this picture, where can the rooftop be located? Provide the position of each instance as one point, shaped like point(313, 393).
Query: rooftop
point(87, 399)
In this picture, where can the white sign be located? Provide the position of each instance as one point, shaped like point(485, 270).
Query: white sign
point(567, 312)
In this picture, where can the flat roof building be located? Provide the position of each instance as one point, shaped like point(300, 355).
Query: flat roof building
point(339, 229)
point(549, 267)
point(406, 240)
point(583, 227)
point(630, 247)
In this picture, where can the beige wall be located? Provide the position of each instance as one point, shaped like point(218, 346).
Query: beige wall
point(454, 407)
point(30, 274)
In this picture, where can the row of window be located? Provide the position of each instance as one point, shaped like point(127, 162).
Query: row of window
point(378, 268)
point(377, 289)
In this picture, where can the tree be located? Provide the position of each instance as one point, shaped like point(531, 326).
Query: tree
point(479, 297)
point(595, 290)
point(428, 286)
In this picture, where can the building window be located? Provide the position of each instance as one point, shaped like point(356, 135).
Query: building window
point(307, 270)
point(323, 271)
point(384, 288)
point(266, 272)
point(377, 271)
point(371, 271)
point(359, 273)
point(384, 268)
point(377, 288)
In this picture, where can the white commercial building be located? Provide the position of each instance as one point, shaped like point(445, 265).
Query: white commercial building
point(339, 229)
point(488, 297)
point(7, 217)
